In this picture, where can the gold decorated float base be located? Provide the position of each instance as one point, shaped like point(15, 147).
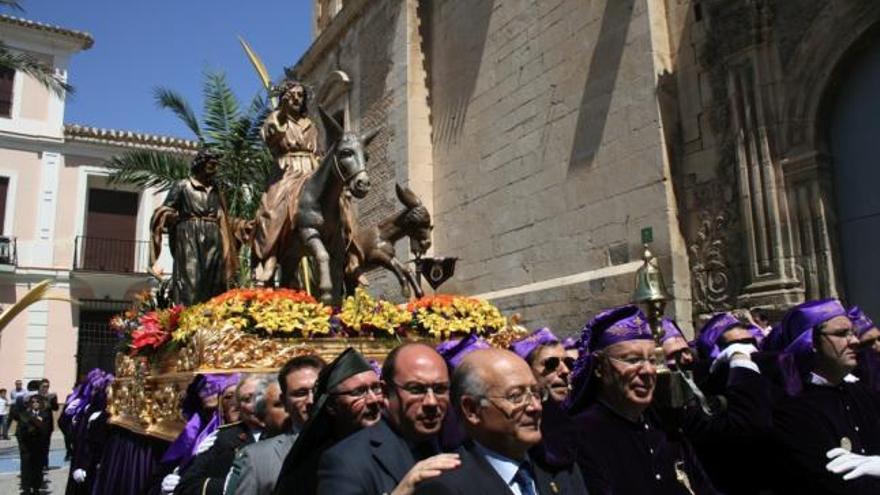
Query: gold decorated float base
point(146, 398)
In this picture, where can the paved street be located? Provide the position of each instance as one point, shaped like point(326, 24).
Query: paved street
point(9, 466)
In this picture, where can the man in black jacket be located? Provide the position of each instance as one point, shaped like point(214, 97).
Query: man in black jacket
point(499, 403)
point(208, 471)
point(397, 453)
point(33, 425)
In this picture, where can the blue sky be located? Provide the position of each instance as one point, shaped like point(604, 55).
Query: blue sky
point(140, 45)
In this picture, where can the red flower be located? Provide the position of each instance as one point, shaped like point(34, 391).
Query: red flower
point(150, 333)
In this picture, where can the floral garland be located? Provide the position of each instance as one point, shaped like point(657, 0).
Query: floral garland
point(444, 316)
point(270, 312)
point(361, 314)
point(144, 328)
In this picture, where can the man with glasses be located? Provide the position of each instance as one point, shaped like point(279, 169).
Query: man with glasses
point(499, 403)
point(827, 413)
point(256, 467)
point(347, 398)
point(550, 364)
point(618, 441)
point(403, 449)
point(208, 471)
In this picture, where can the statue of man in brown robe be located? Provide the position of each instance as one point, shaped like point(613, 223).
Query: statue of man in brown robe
point(292, 139)
point(200, 235)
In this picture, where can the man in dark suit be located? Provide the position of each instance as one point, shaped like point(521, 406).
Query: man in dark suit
point(398, 451)
point(50, 402)
point(207, 473)
point(348, 397)
point(33, 422)
point(256, 467)
point(499, 403)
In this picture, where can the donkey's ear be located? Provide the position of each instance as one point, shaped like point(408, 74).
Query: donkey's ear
point(367, 137)
point(331, 127)
point(407, 197)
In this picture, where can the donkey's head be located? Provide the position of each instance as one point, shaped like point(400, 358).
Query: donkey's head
point(349, 159)
point(415, 221)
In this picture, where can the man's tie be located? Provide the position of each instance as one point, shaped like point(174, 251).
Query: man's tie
point(523, 478)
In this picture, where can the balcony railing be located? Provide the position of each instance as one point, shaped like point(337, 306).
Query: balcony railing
point(8, 252)
point(111, 255)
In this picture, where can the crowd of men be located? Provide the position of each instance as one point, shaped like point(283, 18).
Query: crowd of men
point(792, 410)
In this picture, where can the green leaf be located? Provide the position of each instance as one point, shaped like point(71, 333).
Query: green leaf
point(220, 107)
point(172, 100)
point(145, 169)
point(24, 63)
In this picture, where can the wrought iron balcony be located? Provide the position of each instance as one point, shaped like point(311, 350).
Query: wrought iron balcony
point(98, 254)
point(8, 252)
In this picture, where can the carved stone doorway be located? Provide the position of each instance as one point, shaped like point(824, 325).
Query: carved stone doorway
point(854, 132)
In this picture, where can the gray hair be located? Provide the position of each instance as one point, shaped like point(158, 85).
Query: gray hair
point(262, 383)
point(467, 380)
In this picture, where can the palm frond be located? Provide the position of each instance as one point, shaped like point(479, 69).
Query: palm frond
point(172, 100)
point(26, 64)
point(145, 168)
point(221, 106)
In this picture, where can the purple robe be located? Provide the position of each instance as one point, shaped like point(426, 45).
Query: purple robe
point(618, 456)
point(816, 421)
point(730, 443)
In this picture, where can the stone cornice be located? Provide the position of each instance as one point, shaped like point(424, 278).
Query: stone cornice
point(114, 137)
point(85, 39)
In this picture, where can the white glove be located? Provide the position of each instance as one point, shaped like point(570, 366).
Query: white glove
point(70, 407)
point(79, 475)
point(728, 352)
point(169, 482)
point(207, 443)
point(94, 416)
point(854, 465)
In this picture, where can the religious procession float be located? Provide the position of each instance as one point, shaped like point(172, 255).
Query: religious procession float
point(306, 256)
point(258, 330)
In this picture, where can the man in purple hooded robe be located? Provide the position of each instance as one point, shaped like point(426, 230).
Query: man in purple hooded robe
point(617, 439)
point(827, 411)
point(729, 441)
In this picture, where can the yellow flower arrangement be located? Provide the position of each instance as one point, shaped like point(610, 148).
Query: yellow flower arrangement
point(361, 313)
point(275, 312)
point(441, 317)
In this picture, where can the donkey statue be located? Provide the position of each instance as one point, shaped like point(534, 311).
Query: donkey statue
point(323, 219)
point(375, 245)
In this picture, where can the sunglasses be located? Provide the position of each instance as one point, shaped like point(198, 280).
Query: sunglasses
point(551, 363)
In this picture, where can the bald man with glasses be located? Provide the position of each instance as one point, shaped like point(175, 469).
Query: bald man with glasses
point(402, 450)
point(498, 402)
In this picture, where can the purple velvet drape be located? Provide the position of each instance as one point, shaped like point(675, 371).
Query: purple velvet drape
point(129, 463)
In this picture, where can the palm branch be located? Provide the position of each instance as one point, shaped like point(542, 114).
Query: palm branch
point(24, 63)
point(146, 168)
point(171, 100)
point(220, 107)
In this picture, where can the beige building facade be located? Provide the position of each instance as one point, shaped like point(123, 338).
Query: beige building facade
point(63, 222)
point(550, 138)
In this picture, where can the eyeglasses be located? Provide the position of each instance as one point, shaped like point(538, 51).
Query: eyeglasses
point(362, 391)
point(844, 333)
point(522, 397)
point(422, 389)
point(636, 360)
point(551, 363)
